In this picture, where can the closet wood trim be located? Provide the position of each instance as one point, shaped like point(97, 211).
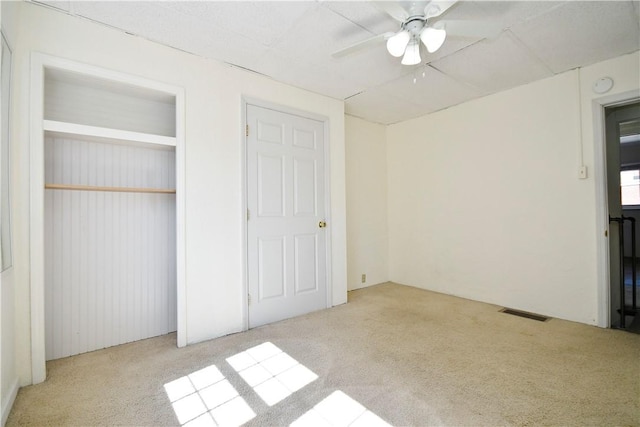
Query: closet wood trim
point(111, 189)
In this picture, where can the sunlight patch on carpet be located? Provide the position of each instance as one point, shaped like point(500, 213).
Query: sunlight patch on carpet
point(338, 409)
point(273, 374)
point(207, 398)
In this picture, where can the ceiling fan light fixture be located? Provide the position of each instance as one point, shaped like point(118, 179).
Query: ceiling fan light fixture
point(397, 44)
point(433, 38)
point(412, 53)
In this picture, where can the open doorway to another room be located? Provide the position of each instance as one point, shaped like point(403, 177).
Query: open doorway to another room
point(623, 182)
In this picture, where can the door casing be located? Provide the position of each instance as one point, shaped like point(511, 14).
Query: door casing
point(598, 106)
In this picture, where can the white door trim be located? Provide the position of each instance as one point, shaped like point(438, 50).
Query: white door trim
point(39, 62)
point(246, 101)
point(602, 211)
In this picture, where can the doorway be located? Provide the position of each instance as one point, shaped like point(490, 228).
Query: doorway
point(287, 246)
point(622, 130)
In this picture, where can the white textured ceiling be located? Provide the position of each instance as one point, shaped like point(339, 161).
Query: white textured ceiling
point(292, 42)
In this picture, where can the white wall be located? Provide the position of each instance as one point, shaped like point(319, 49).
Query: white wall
point(214, 158)
point(485, 201)
point(8, 372)
point(367, 236)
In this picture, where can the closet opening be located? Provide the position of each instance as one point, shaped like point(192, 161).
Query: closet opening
point(107, 217)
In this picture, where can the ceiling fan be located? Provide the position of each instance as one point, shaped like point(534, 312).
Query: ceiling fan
point(418, 25)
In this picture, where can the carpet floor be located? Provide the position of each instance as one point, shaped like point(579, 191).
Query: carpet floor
point(393, 355)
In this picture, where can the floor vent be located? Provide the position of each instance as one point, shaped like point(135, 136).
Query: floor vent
point(519, 313)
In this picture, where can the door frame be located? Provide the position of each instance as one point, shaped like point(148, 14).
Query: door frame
point(598, 106)
point(245, 102)
point(39, 62)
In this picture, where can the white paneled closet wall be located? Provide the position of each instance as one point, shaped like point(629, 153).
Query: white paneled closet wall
point(109, 213)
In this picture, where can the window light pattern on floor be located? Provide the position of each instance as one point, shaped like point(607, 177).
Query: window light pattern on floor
point(207, 398)
point(273, 374)
point(338, 409)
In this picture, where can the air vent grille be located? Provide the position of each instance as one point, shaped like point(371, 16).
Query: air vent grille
point(524, 314)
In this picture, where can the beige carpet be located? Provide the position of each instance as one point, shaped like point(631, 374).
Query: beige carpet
point(409, 356)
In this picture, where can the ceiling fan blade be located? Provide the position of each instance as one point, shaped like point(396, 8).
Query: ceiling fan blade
point(437, 7)
point(393, 9)
point(362, 45)
point(470, 28)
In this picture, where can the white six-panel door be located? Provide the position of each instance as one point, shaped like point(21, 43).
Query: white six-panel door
point(286, 248)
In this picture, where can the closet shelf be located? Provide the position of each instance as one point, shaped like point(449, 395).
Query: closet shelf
point(110, 189)
point(107, 133)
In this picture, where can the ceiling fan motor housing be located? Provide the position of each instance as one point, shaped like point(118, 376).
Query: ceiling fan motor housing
point(414, 25)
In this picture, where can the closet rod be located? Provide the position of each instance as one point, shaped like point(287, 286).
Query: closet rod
point(111, 189)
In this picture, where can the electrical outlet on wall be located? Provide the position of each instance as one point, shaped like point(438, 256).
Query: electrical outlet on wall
point(364, 278)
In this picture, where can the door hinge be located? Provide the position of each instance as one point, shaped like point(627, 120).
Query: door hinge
point(246, 130)
point(249, 299)
point(248, 215)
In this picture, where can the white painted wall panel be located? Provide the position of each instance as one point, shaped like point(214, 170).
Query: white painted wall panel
point(110, 270)
point(92, 101)
point(482, 199)
point(367, 228)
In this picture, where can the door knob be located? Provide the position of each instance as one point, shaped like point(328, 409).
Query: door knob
point(322, 224)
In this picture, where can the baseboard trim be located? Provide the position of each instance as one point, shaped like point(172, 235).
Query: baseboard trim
point(7, 403)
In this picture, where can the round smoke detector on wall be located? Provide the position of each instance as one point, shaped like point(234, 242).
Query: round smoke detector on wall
point(603, 85)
